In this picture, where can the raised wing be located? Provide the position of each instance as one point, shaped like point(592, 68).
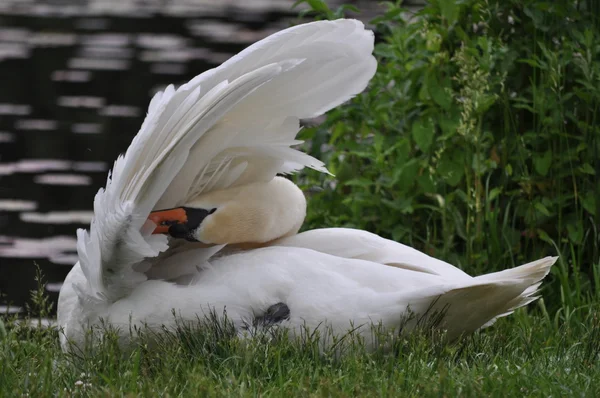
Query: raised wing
point(230, 125)
point(252, 142)
point(117, 239)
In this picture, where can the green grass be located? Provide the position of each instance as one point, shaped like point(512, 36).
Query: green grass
point(520, 356)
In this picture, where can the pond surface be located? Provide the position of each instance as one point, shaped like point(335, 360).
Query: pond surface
point(75, 84)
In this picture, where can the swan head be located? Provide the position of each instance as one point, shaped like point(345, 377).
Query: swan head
point(253, 213)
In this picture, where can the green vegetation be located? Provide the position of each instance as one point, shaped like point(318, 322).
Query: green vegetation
point(478, 141)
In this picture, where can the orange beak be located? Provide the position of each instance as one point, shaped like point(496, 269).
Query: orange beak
point(165, 218)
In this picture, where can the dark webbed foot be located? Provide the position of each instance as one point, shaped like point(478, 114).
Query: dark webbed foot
point(275, 314)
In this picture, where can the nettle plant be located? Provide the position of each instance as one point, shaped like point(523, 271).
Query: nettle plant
point(477, 141)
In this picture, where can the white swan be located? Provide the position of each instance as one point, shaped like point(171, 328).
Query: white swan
point(209, 153)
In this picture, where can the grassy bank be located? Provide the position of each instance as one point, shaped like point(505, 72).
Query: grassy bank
point(520, 356)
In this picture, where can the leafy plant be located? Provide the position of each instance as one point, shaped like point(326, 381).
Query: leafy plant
point(477, 141)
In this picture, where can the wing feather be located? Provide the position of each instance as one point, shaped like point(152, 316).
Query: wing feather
point(228, 126)
point(115, 241)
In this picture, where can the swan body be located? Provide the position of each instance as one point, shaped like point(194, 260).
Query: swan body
point(194, 219)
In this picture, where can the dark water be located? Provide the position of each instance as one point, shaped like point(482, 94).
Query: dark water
point(75, 82)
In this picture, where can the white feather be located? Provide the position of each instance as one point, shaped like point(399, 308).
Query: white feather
point(230, 125)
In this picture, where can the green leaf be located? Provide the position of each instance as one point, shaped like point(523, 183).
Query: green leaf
point(537, 17)
point(449, 124)
point(406, 178)
point(575, 232)
point(485, 102)
point(542, 163)
point(390, 15)
point(403, 151)
point(439, 90)
point(542, 209)
point(403, 205)
point(544, 236)
point(341, 11)
point(450, 170)
point(450, 10)
point(494, 193)
point(422, 132)
point(360, 182)
point(315, 5)
point(587, 169)
point(426, 183)
point(344, 172)
point(338, 131)
point(588, 201)
point(479, 164)
point(509, 170)
point(536, 63)
point(434, 41)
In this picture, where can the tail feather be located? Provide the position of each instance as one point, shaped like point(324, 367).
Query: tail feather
point(491, 296)
point(534, 271)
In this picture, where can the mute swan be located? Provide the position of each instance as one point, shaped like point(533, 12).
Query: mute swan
point(193, 217)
